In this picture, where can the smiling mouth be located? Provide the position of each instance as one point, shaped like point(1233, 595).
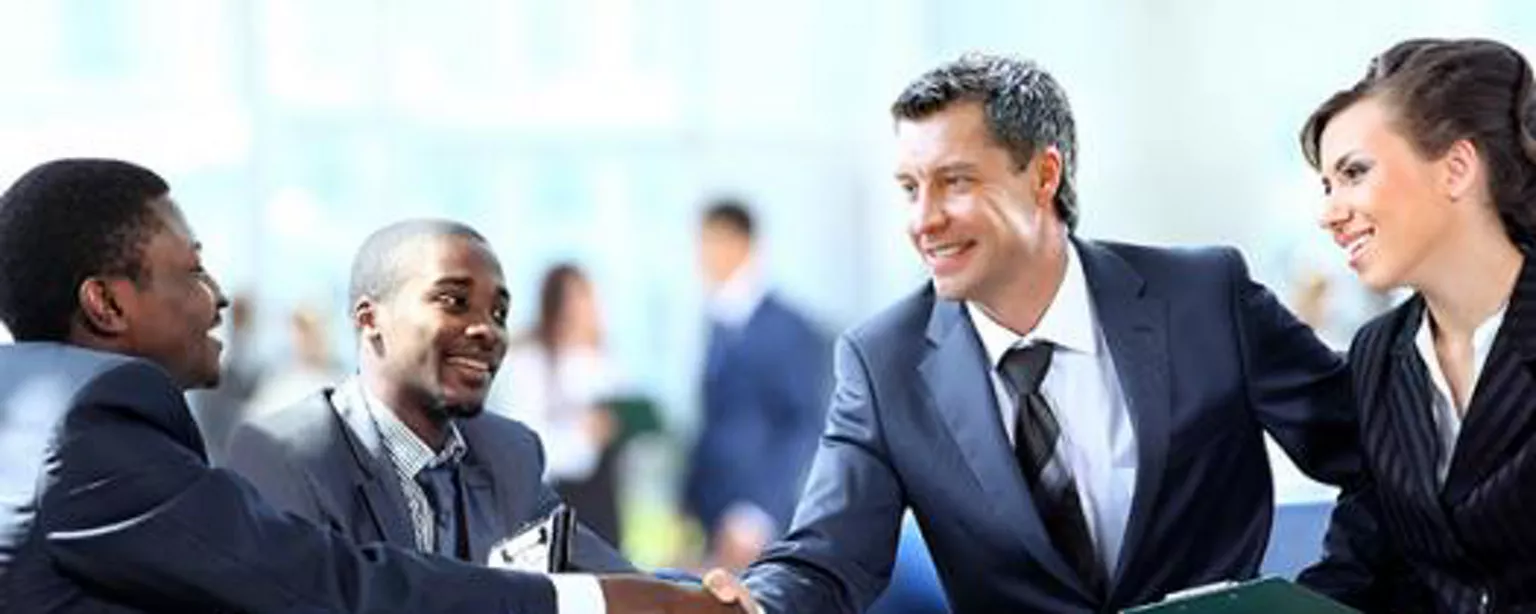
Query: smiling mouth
point(947, 250)
point(482, 368)
point(1357, 245)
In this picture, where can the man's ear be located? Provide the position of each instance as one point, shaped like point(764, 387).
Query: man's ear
point(1047, 180)
point(365, 319)
point(102, 306)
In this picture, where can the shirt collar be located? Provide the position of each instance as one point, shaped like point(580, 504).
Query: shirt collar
point(1068, 322)
point(733, 303)
point(407, 451)
point(1482, 339)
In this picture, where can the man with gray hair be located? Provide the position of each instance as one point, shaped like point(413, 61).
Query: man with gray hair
point(1076, 425)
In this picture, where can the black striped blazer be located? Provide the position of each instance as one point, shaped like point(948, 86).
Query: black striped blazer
point(1407, 543)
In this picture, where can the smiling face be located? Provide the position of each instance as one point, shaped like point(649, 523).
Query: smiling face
point(439, 336)
point(979, 222)
point(170, 312)
point(1385, 202)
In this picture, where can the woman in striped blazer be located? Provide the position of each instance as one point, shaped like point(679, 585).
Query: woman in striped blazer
point(1429, 167)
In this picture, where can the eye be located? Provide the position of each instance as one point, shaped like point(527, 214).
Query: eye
point(500, 315)
point(1327, 187)
point(1354, 172)
point(909, 188)
point(455, 303)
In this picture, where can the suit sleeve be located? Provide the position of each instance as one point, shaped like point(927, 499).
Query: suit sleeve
point(1359, 563)
point(131, 510)
point(1299, 389)
point(262, 460)
point(838, 555)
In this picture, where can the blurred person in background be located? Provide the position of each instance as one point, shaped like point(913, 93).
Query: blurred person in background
point(764, 396)
point(1428, 165)
point(107, 503)
point(310, 364)
point(558, 380)
point(403, 452)
point(220, 409)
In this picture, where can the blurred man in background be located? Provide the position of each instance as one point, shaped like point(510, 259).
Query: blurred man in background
point(764, 395)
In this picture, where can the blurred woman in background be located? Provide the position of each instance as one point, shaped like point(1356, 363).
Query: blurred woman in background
point(555, 380)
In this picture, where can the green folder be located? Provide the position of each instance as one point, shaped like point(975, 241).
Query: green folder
point(1256, 597)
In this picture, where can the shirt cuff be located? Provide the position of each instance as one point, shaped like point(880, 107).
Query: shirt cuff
point(578, 594)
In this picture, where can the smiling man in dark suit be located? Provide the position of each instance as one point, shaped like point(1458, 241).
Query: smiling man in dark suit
point(1076, 425)
point(404, 452)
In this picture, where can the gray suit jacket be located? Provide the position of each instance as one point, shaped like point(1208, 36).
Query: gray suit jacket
point(322, 459)
point(108, 506)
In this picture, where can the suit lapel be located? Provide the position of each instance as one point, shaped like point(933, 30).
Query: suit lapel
point(958, 380)
point(1501, 413)
point(1135, 327)
point(377, 489)
point(489, 502)
point(1408, 408)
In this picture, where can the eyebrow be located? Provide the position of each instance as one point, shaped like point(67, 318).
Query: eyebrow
point(467, 282)
point(946, 168)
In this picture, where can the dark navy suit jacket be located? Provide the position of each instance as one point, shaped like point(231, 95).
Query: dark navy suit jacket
point(1409, 543)
point(1208, 361)
point(765, 394)
point(322, 459)
point(108, 505)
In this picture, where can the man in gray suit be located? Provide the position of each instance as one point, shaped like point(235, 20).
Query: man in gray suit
point(107, 503)
point(403, 453)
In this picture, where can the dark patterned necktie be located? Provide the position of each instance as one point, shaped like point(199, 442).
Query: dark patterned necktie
point(1036, 435)
point(441, 485)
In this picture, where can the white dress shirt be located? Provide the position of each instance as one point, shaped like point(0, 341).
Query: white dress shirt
point(1447, 414)
point(737, 298)
point(1098, 444)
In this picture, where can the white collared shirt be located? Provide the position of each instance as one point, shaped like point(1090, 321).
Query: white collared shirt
point(1098, 443)
point(1447, 415)
point(737, 298)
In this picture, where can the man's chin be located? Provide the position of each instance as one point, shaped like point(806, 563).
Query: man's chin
point(466, 408)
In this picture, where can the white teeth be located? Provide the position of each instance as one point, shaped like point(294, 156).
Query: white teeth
point(946, 251)
point(470, 363)
point(1355, 246)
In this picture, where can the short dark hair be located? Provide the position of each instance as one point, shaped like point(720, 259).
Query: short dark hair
point(1025, 109)
point(377, 268)
point(732, 213)
point(1441, 91)
point(63, 222)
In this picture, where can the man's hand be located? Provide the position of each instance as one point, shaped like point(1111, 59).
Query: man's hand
point(743, 534)
point(640, 595)
point(725, 587)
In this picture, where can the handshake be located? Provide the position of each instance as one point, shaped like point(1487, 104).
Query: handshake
point(722, 594)
point(544, 546)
